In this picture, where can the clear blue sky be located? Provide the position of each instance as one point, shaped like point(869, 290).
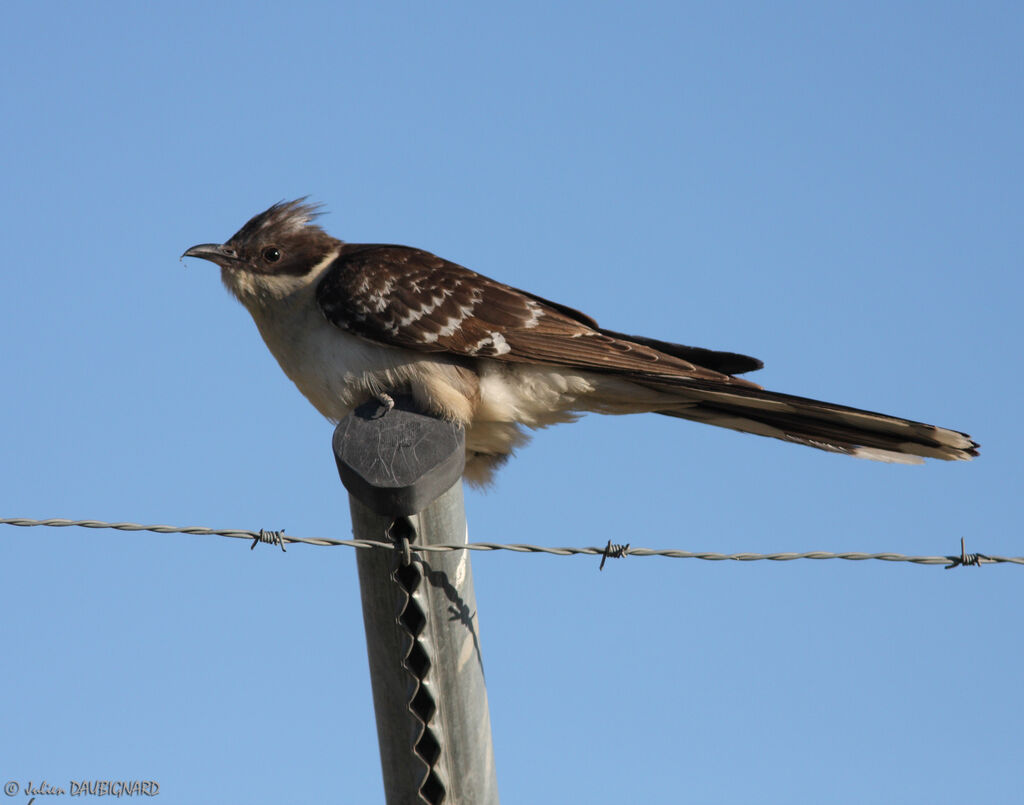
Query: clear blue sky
point(835, 188)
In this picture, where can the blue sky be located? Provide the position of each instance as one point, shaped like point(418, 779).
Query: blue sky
point(835, 188)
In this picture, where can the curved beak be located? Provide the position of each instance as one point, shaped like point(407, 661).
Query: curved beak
point(214, 252)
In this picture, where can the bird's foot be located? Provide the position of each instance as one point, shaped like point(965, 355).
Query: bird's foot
point(387, 403)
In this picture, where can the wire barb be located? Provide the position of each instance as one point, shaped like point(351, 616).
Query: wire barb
point(967, 559)
point(612, 551)
point(269, 537)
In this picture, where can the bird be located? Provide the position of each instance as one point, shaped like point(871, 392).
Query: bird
point(350, 323)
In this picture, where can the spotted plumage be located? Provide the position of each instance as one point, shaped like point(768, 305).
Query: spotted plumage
point(413, 299)
point(351, 321)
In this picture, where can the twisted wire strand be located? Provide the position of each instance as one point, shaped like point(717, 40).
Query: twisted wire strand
point(287, 539)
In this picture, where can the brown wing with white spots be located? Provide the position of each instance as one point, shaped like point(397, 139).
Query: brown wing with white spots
point(413, 299)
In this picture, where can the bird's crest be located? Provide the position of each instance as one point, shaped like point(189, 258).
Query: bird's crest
point(283, 218)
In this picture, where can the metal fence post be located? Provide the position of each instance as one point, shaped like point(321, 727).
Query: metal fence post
point(403, 473)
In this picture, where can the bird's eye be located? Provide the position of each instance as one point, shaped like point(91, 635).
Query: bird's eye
point(271, 255)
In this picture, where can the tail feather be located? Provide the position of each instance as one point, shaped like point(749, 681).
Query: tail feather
point(823, 425)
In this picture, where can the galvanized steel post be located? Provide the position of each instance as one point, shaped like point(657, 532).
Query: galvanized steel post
point(403, 473)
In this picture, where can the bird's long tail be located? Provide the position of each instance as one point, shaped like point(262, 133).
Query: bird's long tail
point(825, 426)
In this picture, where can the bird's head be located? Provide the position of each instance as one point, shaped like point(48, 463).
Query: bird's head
point(275, 254)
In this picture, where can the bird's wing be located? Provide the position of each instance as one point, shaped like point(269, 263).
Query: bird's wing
point(413, 299)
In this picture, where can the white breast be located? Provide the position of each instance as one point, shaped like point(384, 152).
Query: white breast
point(332, 368)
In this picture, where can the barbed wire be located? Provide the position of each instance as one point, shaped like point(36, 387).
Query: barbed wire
point(610, 551)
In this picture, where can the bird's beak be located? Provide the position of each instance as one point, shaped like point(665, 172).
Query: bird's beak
point(214, 252)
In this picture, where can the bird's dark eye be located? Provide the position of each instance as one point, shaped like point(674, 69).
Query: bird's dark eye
point(271, 255)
